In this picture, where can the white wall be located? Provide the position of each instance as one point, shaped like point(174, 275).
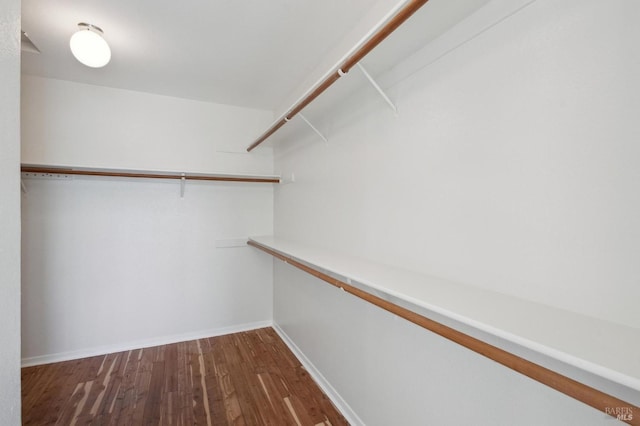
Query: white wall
point(78, 124)
point(125, 263)
point(112, 263)
point(513, 166)
point(10, 213)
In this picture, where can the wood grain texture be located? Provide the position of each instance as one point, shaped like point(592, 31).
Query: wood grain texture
point(324, 85)
point(270, 131)
point(248, 378)
point(586, 394)
point(376, 38)
point(398, 19)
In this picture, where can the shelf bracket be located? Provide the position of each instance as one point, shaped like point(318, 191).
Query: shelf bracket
point(313, 127)
point(23, 186)
point(287, 180)
point(183, 181)
point(378, 88)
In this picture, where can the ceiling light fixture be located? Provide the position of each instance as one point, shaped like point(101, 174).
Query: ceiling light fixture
point(88, 46)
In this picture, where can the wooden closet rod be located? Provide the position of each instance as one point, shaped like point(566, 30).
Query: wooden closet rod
point(150, 175)
point(586, 394)
point(398, 19)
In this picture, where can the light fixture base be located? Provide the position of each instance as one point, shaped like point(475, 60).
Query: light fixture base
point(90, 27)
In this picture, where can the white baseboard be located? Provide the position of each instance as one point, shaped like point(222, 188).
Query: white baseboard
point(138, 344)
point(324, 384)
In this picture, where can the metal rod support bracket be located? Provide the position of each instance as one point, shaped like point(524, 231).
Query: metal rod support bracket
point(312, 127)
point(378, 88)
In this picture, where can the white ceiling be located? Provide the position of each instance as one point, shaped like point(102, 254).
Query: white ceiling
point(250, 53)
point(241, 52)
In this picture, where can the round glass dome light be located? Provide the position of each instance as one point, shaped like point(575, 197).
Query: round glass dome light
point(88, 46)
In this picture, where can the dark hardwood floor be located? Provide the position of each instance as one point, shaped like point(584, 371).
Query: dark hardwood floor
point(248, 378)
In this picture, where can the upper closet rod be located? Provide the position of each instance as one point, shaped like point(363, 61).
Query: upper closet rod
point(398, 19)
point(147, 175)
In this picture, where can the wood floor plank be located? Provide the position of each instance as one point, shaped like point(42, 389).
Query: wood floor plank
point(45, 392)
point(109, 383)
point(215, 400)
point(185, 390)
point(248, 378)
point(125, 403)
point(112, 385)
point(195, 380)
point(152, 411)
point(218, 397)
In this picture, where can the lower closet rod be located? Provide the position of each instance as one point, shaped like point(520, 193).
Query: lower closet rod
point(586, 394)
point(149, 175)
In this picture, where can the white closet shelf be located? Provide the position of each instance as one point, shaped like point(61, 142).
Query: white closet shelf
point(579, 348)
point(45, 170)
